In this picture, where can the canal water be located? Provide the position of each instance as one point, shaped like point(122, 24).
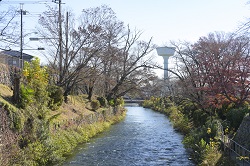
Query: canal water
point(144, 138)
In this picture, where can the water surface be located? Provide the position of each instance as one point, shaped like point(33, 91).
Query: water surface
point(144, 138)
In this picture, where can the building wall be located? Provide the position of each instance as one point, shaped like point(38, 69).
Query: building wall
point(13, 61)
point(9, 60)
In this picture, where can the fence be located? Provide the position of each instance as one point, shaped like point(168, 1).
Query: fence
point(236, 151)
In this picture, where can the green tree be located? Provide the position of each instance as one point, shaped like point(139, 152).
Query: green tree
point(34, 84)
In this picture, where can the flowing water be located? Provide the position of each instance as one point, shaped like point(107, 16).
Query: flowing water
point(144, 138)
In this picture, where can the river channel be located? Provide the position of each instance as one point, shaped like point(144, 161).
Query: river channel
point(143, 138)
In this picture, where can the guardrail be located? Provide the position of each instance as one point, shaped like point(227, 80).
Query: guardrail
point(236, 151)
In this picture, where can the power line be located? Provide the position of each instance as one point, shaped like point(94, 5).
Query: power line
point(26, 2)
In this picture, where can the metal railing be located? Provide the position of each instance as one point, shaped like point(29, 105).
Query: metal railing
point(235, 149)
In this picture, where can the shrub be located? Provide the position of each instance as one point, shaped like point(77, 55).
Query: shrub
point(199, 117)
point(112, 102)
point(147, 104)
point(95, 104)
point(211, 154)
point(35, 83)
point(203, 142)
point(119, 101)
point(168, 103)
point(26, 96)
point(116, 102)
point(103, 101)
point(183, 125)
point(56, 97)
point(187, 107)
point(235, 117)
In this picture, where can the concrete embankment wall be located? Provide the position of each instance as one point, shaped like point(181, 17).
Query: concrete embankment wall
point(243, 133)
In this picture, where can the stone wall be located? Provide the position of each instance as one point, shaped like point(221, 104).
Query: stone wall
point(5, 74)
point(243, 133)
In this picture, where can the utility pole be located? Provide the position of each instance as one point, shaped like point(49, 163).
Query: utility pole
point(17, 76)
point(67, 38)
point(59, 2)
point(22, 12)
point(21, 42)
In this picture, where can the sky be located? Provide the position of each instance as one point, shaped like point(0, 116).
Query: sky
point(164, 20)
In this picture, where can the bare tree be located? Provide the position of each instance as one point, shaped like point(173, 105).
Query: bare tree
point(185, 65)
point(128, 65)
point(117, 72)
point(81, 44)
point(8, 28)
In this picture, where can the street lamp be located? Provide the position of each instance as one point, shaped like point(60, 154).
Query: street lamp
point(37, 38)
point(34, 38)
point(39, 48)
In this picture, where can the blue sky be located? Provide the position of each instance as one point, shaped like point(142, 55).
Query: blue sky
point(164, 20)
point(174, 19)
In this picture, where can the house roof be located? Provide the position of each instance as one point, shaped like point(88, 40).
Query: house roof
point(17, 54)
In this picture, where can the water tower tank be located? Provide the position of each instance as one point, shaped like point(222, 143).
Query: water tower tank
point(165, 52)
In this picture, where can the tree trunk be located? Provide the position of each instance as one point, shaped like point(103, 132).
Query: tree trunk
point(16, 87)
point(90, 92)
point(66, 93)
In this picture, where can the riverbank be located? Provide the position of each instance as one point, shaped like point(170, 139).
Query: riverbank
point(198, 128)
point(26, 139)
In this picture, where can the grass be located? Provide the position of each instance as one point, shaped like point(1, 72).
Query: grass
point(74, 108)
point(77, 106)
point(6, 92)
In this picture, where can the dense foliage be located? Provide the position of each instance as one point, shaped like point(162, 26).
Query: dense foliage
point(199, 128)
point(212, 85)
point(34, 84)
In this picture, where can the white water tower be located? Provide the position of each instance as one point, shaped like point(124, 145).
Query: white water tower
point(165, 52)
